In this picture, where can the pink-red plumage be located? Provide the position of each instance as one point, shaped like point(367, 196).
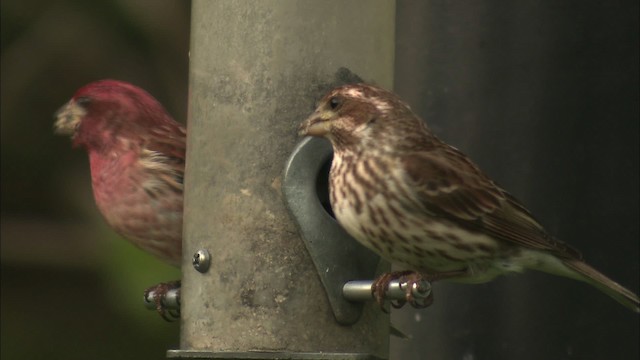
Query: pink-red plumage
point(137, 156)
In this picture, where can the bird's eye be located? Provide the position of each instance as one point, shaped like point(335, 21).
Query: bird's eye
point(83, 101)
point(335, 102)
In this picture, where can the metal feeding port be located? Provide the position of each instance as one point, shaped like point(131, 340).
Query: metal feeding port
point(336, 255)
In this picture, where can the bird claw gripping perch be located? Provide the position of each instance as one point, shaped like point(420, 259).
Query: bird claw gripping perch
point(398, 287)
point(417, 290)
point(165, 299)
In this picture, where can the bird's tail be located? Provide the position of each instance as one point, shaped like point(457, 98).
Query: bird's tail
point(592, 276)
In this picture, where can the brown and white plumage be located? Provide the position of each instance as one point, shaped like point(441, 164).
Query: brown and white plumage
point(419, 202)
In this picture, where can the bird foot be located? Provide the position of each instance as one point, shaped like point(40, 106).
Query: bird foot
point(412, 279)
point(412, 282)
point(158, 294)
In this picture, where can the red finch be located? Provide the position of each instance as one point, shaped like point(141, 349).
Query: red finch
point(416, 201)
point(137, 156)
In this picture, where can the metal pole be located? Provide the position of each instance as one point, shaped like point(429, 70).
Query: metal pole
point(257, 67)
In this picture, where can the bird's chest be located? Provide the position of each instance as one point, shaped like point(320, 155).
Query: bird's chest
point(113, 179)
point(120, 189)
point(379, 210)
point(360, 200)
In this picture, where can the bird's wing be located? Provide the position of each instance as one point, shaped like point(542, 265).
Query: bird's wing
point(163, 154)
point(449, 185)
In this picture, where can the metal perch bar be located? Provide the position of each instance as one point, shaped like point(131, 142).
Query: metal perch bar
point(360, 290)
point(357, 291)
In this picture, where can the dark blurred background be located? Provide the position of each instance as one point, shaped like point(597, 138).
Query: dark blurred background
point(71, 289)
point(543, 95)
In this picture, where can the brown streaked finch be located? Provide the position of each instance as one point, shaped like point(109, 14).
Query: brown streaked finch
point(137, 157)
point(418, 202)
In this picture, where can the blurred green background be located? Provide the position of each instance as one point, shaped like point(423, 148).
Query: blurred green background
point(71, 288)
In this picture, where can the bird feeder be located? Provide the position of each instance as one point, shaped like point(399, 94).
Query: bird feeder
point(256, 69)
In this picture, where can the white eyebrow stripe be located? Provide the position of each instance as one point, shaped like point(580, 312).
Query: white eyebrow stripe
point(381, 105)
point(354, 92)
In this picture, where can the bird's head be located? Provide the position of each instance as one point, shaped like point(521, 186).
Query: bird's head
point(106, 111)
point(353, 115)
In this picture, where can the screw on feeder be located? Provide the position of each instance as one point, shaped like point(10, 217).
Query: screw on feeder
point(201, 260)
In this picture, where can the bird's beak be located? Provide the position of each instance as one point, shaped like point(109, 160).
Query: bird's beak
point(318, 124)
point(68, 118)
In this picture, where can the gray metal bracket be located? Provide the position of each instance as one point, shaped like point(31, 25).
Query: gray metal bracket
point(337, 256)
